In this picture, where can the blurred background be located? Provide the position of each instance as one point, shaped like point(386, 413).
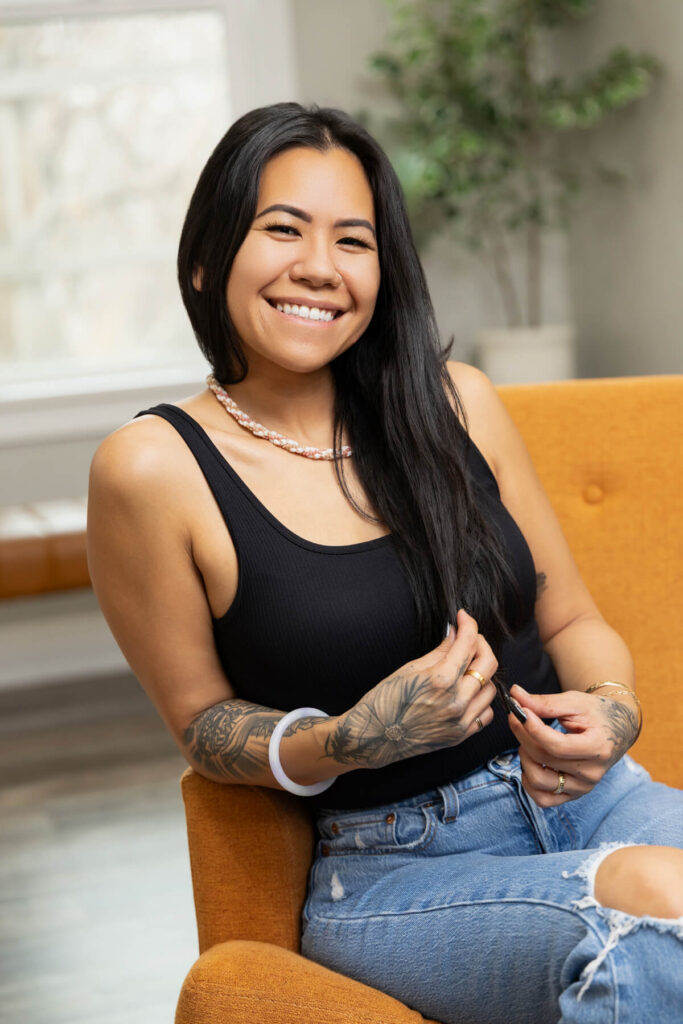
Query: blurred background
point(540, 144)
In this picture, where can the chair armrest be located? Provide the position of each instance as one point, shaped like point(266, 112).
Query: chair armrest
point(250, 853)
point(242, 982)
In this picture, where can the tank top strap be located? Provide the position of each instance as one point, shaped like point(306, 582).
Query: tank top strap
point(239, 514)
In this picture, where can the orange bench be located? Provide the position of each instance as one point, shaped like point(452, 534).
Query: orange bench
point(42, 547)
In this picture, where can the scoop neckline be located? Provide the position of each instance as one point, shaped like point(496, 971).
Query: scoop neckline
point(339, 549)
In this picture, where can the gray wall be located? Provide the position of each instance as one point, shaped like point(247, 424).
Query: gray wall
point(627, 245)
point(616, 275)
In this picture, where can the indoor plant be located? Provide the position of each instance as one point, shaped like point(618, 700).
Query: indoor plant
point(484, 139)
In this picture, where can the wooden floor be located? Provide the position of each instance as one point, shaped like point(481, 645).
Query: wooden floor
point(96, 914)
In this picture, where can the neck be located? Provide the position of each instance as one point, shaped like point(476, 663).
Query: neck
point(298, 405)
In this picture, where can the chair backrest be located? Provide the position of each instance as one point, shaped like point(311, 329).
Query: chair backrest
point(609, 453)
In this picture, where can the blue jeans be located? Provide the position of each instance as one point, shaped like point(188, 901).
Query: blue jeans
point(472, 904)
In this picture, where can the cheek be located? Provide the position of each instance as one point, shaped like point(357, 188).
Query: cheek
point(369, 288)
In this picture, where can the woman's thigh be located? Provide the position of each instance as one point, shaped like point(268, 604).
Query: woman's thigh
point(455, 907)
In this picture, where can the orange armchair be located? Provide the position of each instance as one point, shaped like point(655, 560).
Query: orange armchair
point(610, 454)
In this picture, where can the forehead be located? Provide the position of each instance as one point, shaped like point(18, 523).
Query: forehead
point(332, 181)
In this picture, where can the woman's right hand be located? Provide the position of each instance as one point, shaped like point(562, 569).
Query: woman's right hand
point(427, 704)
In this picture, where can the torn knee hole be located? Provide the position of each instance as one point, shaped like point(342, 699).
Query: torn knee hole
point(641, 880)
point(610, 874)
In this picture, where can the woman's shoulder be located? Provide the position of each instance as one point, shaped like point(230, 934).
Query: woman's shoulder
point(487, 421)
point(143, 459)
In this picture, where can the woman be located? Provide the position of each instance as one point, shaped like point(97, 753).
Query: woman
point(480, 859)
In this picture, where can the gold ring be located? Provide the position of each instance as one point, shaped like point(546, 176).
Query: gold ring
point(560, 783)
point(479, 722)
point(478, 676)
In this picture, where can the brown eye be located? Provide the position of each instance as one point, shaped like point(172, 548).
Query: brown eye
point(285, 229)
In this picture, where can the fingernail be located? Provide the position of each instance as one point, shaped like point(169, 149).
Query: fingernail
point(448, 629)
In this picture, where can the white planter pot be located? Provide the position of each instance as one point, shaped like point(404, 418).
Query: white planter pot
point(527, 355)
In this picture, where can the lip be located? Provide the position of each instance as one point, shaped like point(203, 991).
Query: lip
point(302, 301)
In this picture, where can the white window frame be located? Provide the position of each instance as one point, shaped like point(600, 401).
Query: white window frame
point(261, 70)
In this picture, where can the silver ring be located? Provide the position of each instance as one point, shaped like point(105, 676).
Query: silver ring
point(479, 722)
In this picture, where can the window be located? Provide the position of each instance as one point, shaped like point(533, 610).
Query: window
point(105, 123)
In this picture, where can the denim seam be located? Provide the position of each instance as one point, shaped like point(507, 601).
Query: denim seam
point(572, 911)
point(515, 786)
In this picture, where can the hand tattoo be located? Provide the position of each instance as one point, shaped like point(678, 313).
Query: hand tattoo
point(395, 720)
point(621, 724)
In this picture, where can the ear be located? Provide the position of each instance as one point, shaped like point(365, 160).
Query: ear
point(197, 277)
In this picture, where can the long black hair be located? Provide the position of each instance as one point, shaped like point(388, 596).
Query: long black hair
point(394, 398)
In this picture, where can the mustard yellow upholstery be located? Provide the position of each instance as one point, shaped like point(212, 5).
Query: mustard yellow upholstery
point(610, 455)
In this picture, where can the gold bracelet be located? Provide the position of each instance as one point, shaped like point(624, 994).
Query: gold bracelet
point(621, 688)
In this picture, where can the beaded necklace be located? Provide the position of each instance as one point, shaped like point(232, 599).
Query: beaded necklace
point(258, 430)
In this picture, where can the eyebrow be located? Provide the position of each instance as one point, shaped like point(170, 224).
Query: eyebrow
point(348, 222)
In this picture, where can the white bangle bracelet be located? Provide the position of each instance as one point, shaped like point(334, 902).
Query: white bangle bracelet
point(274, 754)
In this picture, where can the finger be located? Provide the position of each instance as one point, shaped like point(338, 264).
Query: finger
point(543, 795)
point(589, 770)
point(437, 653)
point(481, 668)
point(545, 778)
point(550, 705)
point(480, 719)
point(562, 745)
point(458, 655)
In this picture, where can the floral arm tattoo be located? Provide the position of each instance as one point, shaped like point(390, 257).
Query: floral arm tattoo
point(404, 715)
point(230, 739)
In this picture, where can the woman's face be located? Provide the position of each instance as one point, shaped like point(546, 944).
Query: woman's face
point(304, 282)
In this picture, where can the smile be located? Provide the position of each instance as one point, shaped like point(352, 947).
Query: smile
point(308, 313)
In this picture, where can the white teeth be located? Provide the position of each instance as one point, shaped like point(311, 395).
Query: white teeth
point(306, 312)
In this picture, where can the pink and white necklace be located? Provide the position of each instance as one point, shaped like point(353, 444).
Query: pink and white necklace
point(258, 430)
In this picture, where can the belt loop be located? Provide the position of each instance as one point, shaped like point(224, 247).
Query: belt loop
point(449, 797)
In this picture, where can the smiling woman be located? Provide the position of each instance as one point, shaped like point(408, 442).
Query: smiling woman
point(287, 614)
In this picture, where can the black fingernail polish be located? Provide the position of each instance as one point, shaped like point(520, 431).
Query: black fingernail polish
point(516, 710)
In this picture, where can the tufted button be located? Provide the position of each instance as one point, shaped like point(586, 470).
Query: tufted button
point(390, 818)
point(593, 494)
point(325, 850)
point(334, 827)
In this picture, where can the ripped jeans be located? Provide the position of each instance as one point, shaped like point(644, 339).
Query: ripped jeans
point(473, 905)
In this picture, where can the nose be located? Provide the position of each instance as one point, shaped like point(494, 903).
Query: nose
point(315, 264)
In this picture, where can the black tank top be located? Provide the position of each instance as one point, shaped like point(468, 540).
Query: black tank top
point(316, 625)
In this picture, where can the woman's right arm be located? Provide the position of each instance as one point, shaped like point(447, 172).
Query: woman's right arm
point(153, 598)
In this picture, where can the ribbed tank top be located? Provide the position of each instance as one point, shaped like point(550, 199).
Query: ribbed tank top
point(316, 625)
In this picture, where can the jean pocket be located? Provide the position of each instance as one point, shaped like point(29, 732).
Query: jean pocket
point(383, 830)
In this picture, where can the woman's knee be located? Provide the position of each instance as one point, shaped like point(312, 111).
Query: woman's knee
point(642, 880)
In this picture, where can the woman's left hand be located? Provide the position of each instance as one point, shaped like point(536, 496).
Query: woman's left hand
point(599, 731)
